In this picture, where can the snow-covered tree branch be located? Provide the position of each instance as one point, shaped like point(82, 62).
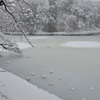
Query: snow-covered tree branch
point(6, 44)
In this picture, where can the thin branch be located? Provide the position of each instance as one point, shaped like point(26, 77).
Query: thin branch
point(3, 46)
point(17, 22)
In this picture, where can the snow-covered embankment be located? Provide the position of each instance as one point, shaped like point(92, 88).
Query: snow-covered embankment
point(15, 88)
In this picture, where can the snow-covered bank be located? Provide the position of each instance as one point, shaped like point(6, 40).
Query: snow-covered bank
point(73, 33)
point(15, 88)
point(37, 37)
point(82, 44)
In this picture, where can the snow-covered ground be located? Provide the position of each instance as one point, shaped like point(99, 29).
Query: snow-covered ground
point(15, 88)
point(82, 44)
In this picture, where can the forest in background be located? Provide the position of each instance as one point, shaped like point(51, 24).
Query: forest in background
point(50, 16)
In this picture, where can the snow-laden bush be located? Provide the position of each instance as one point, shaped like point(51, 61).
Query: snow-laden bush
point(6, 44)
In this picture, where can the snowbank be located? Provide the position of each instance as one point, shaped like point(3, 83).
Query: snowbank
point(15, 88)
point(82, 44)
point(23, 45)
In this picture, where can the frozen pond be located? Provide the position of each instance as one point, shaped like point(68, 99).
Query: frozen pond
point(70, 73)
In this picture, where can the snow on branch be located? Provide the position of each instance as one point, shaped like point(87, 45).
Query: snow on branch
point(6, 44)
point(2, 3)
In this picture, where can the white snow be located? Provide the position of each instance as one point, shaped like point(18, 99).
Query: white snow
point(72, 89)
point(51, 71)
point(50, 83)
point(82, 44)
point(21, 45)
point(15, 88)
point(2, 49)
point(92, 88)
point(44, 76)
point(33, 74)
point(84, 98)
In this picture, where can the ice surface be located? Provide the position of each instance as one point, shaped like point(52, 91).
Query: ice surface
point(82, 44)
